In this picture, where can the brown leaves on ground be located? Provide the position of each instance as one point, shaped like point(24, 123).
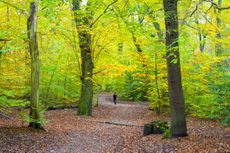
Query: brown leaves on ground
point(67, 133)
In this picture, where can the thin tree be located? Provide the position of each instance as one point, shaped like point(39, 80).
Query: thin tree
point(178, 119)
point(202, 36)
point(35, 66)
point(218, 47)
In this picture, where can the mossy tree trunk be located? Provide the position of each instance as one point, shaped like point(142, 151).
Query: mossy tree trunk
point(35, 66)
point(82, 20)
point(178, 120)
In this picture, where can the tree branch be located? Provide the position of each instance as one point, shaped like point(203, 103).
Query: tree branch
point(188, 25)
point(15, 6)
point(98, 72)
point(106, 9)
point(216, 5)
point(1, 39)
point(213, 4)
point(197, 5)
point(224, 8)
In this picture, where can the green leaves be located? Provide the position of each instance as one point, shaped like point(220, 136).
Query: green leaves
point(174, 61)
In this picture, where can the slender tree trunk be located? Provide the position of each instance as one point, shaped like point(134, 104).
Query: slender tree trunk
point(0, 60)
point(120, 48)
point(138, 49)
point(202, 40)
point(178, 120)
point(160, 38)
point(159, 31)
point(50, 83)
point(157, 88)
point(35, 66)
point(137, 45)
point(202, 37)
point(83, 28)
point(219, 48)
point(65, 82)
point(8, 16)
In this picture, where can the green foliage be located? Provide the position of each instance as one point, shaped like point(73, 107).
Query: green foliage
point(157, 127)
point(4, 108)
point(167, 134)
point(11, 99)
point(134, 88)
point(206, 89)
point(41, 121)
point(221, 89)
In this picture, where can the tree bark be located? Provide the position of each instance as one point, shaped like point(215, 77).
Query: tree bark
point(219, 48)
point(178, 119)
point(83, 28)
point(137, 45)
point(202, 37)
point(157, 88)
point(35, 66)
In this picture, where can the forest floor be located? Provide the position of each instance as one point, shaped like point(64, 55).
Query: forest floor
point(111, 129)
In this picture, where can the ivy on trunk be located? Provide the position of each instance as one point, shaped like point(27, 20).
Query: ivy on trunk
point(178, 120)
point(82, 20)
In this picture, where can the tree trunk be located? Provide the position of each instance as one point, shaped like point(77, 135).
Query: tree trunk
point(178, 120)
point(35, 66)
point(83, 28)
point(158, 111)
point(120, 48)
point(0, 60)
point(219, 49)
point(159, 31)
point(137, 45)
point(202, 37)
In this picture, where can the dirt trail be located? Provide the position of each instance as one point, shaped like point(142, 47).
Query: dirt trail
point(110, 125)
point(126, 113)
point(107, 132)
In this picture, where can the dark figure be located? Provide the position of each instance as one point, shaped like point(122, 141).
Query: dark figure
point(115, 98)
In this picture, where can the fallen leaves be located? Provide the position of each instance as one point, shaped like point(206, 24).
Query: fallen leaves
point(67, 133)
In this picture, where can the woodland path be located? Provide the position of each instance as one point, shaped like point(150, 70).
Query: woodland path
point(112, 125)
point(112, 128)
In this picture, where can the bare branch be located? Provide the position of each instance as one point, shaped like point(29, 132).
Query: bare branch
point(1, 39)
point(106, 9)
point(224, 8)
point(188, 25)
point(216, 5)
point(197, 5)
point(205, 17)
point(209, 8)
point(99, 71)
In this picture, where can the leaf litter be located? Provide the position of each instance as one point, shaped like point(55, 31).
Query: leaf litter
point(67, 133)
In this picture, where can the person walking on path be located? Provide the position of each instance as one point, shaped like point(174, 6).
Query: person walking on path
point(115, 98)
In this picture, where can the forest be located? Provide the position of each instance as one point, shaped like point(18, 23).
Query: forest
point(166, 61)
